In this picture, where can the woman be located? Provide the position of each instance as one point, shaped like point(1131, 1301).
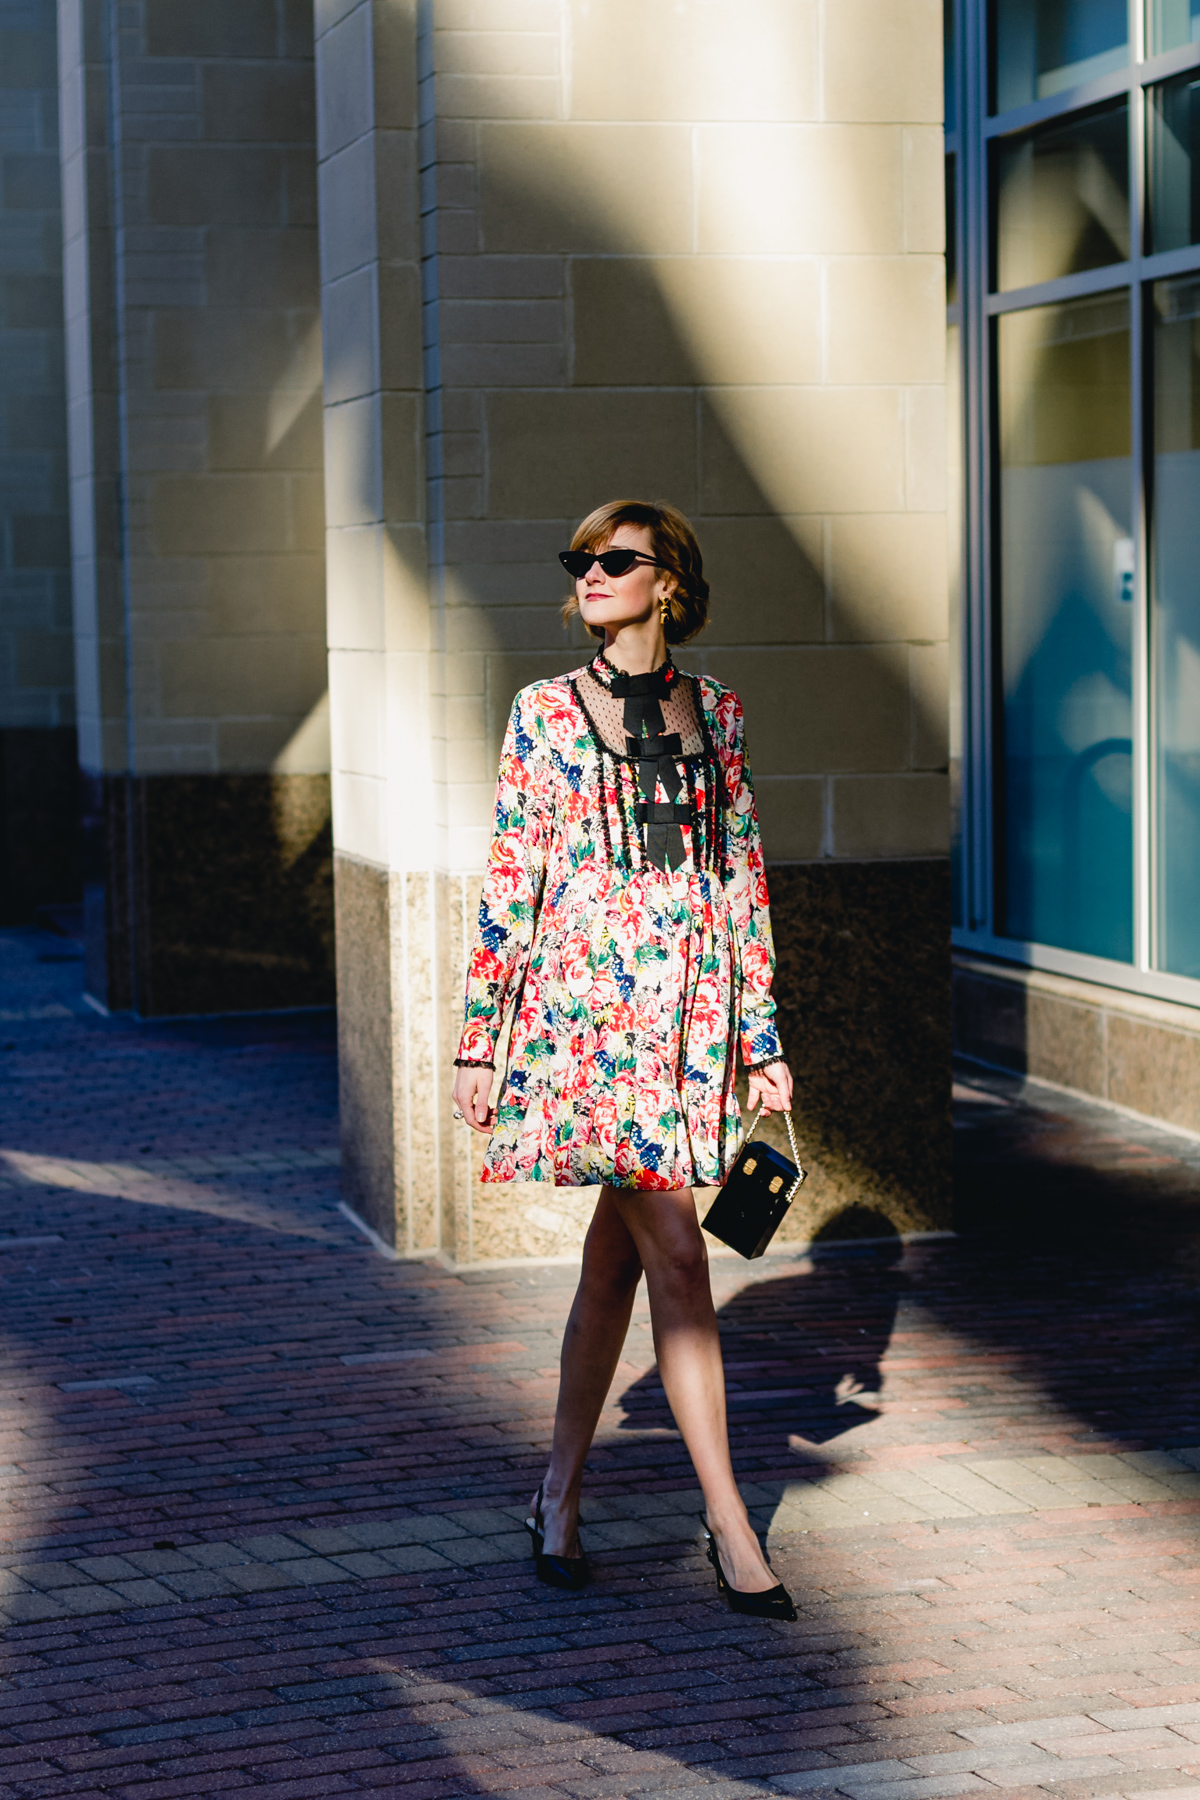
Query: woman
point(624, 920)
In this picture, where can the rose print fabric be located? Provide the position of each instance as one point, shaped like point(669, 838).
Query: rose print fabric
point(631, 987)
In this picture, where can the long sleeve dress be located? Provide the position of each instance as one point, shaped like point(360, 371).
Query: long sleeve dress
point(624, 925)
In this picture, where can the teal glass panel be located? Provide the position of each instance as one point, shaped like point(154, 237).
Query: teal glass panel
point(1066, 592)
point(1175, 620)
point(1174, 137)
point(1043, 47)
point(955, 559)
point(1061, 198)
point(1172, 23)
point(951, 230)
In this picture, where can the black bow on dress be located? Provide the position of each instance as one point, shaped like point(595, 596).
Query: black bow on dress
point(656, 752)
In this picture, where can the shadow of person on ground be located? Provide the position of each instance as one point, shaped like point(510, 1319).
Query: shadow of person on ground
point(1087, 1223)
point(802, 1354)
point(275, 1405)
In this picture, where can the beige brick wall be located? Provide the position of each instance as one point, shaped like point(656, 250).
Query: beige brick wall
point(380, 620)
point(194, 364)
point(669, 259)
point(572, 251)
point(37, 677)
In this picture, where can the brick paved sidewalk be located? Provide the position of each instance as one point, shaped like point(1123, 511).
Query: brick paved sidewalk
point(261, 1490)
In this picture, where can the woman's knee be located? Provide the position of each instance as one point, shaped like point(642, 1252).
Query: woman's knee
point(681, 1267)
point(610, 1271)
point(616, 1282)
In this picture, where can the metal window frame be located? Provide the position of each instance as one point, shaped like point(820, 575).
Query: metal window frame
point(975, 312)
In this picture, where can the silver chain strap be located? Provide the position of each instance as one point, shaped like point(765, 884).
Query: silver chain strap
point(791, 1131)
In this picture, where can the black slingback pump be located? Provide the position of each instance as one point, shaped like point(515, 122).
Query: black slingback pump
point(773, 1603)
point(569, 1572)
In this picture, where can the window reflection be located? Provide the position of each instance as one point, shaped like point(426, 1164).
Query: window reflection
point(1041, 47)
point(951, 231)
point(1176, 619)
point(1066, 625)
point(1172, 23)
point(949, 84)
point(1174, 127)
point(1062, 198)
point(954, 533)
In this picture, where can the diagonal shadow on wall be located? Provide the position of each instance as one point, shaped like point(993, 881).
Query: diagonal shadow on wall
point(862, 933)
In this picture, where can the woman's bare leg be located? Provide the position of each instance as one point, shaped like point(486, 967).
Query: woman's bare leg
point(591, 1350)
point(669, 1244)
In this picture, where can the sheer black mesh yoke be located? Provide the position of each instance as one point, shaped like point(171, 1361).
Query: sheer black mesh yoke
point(606, 714)
point(637, 828)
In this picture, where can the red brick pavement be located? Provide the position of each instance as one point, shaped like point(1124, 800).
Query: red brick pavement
point(1044, 1651)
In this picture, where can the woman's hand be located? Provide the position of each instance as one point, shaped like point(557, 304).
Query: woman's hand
point(773, 1086)
point(472, 1091)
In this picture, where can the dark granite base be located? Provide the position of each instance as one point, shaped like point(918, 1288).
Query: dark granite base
point(1122, 1048)
point(39, 821)
point(107, 916)
point(209, 893)
point(366, 1086)
point(863, 988)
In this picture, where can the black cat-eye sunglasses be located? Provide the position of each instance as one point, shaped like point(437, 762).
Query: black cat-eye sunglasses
point(612, 562)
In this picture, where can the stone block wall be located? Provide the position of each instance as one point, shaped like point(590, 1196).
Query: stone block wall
point(194, 358)
point(654, 257)
point(723, 285)
point(1131, 1050)
point(39, 798)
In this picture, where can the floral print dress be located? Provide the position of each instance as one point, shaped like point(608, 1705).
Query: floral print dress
point(624, 926)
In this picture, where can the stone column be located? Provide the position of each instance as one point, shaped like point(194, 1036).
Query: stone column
point(193, 356)
point(380, 637)
point(39, 804)
point(721, 285)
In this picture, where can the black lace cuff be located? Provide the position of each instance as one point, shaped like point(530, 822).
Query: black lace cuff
point(467, 1062)
point(771, 1062)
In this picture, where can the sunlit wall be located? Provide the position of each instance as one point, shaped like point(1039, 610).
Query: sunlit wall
point(575, 251)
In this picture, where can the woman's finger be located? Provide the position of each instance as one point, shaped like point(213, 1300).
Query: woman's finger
point(475, 1103)
point(472, 1092)
point(773, 1088)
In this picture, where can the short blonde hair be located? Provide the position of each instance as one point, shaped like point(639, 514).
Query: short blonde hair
point(675, 550)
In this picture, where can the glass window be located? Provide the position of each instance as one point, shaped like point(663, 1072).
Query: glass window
point(951, 231)
point(1174, 126)
point(1041, 47)
point(949, 85)
point(1062, 198)
point(1172, 23)
point(1176, 619)
point(1066, 587)
point(954, 533)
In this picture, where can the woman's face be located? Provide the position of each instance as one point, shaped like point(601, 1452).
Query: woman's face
point(629, 599)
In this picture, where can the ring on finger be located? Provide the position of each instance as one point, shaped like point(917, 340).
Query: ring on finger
point(458, 1114)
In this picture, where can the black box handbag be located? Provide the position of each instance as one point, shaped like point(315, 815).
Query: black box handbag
point(758, 1190)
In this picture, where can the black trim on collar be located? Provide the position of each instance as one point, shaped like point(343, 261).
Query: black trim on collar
point(657, 683)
